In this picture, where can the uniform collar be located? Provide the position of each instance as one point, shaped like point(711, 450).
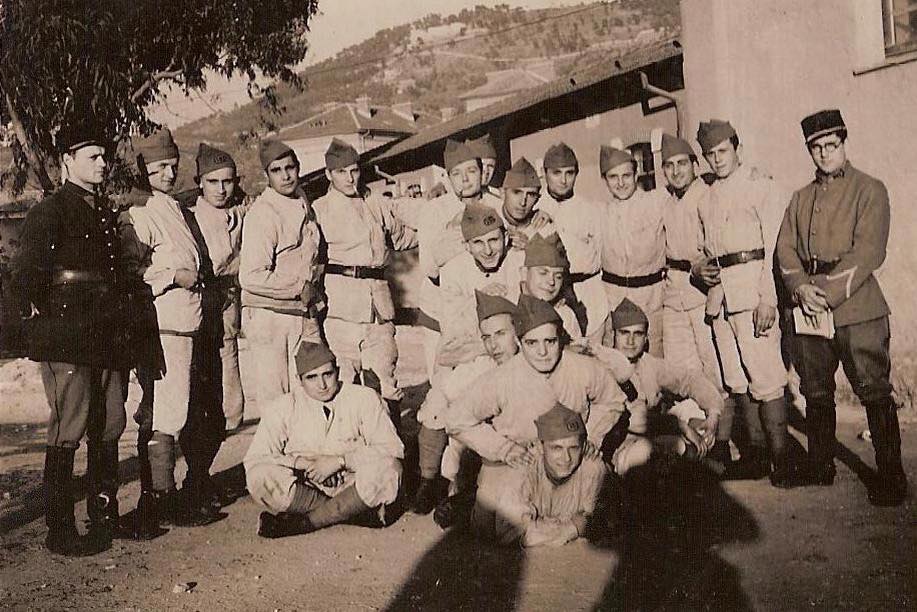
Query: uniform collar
point(822, 177)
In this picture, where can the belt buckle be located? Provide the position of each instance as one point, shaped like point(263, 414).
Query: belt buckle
point(743, 257)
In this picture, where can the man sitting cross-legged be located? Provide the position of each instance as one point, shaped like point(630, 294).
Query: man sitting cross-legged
point(323, 453)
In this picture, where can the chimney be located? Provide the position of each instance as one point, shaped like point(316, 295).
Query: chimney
point(448, 112)
point(363, 107)
point(405, 110)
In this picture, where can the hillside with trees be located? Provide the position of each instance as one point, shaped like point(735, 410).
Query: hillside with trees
point(434, 60)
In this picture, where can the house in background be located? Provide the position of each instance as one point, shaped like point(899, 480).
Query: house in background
point(363, 125)
point(586, 108)
point(502, 84)
point(766, 65)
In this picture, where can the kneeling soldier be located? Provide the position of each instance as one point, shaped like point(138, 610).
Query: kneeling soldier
point(323, 453)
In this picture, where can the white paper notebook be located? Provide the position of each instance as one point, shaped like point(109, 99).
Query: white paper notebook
point(821, 324)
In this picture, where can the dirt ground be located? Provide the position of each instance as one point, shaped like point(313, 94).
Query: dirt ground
point(685, 542)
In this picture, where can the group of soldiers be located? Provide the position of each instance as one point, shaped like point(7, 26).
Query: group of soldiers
point(566, 340)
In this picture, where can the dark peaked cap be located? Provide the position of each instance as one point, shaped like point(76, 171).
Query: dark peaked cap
point(822, 123)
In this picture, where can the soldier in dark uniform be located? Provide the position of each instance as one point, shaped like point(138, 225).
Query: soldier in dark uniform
point(834, 236)
point(67, 285)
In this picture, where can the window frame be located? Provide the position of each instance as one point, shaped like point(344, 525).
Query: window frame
point(892, 46)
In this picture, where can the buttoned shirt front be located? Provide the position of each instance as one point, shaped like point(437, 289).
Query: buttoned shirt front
point(578, 222)
point(633, 234)
point(681, 230)
point(355, 231)
point(742, 212)
point(843, 220)
point(280, 241)
point(500, 408)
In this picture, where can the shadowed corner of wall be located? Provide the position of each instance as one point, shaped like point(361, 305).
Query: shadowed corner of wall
point(675, 514)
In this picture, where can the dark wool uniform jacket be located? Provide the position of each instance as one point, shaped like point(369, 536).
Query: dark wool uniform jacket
point(79, 321)
point(842, 218)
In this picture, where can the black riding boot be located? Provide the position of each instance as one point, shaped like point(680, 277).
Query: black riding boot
point(890, 486)
point(63, 538)
point(821, 425)
point(102, 496)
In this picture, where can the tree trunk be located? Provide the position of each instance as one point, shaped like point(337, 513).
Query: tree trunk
point(36, 162)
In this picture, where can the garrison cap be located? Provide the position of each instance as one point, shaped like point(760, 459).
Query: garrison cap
point(271, 150)
point(340, 155)
point(713, 132)
point(521, 176)
point(479, 219)
point(531, 312)
point(626, 314)
point(560, 156)
point(483, 147)
point(673, 145)
point(456, 153)
point(558, 423)
point(489, 305)
point(546, 251)
point(157, 146)
point(822, 123)
point(211, 158)
point(610, 157)
point(311, 355)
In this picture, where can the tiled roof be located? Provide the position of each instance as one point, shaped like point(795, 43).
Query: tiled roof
point(344, 118)
point(505, 82)
point(577, 80)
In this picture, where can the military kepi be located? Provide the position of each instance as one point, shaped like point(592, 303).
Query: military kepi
point(479, 219)
point(79, 134)
point(531, 312)
point(822, 123)
point(157, 146)
point(546, 251)
point(560, 156)
point(272, 150)
point(672, 146)
point(340, 155)
point(490, 305)
point(522, 176)
point(626, 314)
point(713, 132)
point(311, 355)
point(610, 157)
point(558, 423)
point(211, 158)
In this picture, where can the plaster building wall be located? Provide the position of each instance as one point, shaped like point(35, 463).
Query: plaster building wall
point(766, 65)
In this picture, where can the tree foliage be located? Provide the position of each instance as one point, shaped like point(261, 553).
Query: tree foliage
point(60, 59)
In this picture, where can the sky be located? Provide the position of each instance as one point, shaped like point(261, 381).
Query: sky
point(339, 24)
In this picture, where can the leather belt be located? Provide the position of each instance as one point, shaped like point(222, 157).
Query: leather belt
point(634, 281)
point(817, 266)
point(739, 257)
point(360, 272)
point(579, 277)
point(678, 264)
point(70, 277)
